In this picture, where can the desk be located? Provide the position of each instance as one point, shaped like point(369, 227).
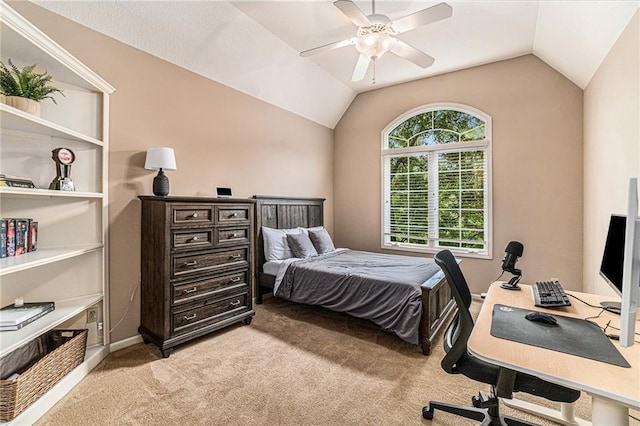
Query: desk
point(613, 389)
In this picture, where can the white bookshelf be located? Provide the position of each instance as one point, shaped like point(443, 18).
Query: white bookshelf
point(70, 264)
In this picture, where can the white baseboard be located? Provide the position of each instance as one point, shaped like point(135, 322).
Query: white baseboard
point(124, 343)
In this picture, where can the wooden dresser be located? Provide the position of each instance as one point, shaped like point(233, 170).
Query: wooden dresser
point(196, 267)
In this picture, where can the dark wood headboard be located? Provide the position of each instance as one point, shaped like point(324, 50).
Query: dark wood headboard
point(282, 213)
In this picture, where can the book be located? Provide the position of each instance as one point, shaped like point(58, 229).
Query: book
point(16, 182)
point(14, 318)
point(11, 237)
point(3, 238)
point(32, 238)
point(22, 233)
point(27, 322)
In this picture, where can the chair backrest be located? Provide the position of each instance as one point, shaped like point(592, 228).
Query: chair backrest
point(461, 326)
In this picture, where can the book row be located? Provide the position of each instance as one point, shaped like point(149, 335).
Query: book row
point(18, 236)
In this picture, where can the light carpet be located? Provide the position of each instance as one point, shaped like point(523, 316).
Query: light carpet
point(294, 365)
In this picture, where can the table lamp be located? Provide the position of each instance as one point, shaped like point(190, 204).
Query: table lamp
point(159, 158)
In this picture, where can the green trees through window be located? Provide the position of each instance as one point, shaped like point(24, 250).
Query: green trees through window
point(436, 191)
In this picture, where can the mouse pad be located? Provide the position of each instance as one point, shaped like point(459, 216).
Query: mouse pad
point(571, 335)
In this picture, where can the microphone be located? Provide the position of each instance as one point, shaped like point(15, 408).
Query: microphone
point(513, 251)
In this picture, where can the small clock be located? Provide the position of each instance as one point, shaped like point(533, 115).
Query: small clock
point(63, 156)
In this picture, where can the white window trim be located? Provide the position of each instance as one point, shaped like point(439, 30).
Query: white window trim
point(451, 146)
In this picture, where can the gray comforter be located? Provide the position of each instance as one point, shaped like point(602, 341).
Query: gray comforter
point(380, 287)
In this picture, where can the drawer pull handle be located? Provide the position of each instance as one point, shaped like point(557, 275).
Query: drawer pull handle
point(234, 215)
point(235, 304)
point(194, 216)
point(235, 256)
point(234, 235)
point(194, 239)
point(193, 263)
point(190, 317)
point(235, 279)
point(190, 290)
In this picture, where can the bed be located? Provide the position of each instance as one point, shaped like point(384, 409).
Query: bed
point(402, 294)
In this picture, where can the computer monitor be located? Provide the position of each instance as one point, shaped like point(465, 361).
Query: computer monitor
point(612, 266)
point(623, 246)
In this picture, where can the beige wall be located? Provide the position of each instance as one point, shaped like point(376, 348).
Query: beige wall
point(225, 138)
point(611, 146)
point(537, 163)
point(221, 137)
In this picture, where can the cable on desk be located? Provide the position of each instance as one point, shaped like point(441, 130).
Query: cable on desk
point(596, 316)
point(588, 304)
point(617, 329)
point(608, 325)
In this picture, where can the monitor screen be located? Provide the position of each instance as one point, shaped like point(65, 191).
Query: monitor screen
point(613, 256)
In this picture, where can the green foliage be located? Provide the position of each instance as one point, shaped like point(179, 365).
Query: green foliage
point(437, 127)
point(26, 83)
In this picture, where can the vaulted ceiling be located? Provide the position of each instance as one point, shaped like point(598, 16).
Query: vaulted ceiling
point(254, 46)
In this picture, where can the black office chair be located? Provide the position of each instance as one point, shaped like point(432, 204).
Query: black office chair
point(459, 361)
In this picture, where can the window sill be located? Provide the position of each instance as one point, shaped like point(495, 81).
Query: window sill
point(456, 253)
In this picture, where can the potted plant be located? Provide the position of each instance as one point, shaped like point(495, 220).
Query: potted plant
point(24, 89)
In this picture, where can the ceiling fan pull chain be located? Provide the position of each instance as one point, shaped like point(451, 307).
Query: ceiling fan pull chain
point(373, 81)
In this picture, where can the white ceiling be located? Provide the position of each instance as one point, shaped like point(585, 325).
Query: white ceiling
point(253, 46)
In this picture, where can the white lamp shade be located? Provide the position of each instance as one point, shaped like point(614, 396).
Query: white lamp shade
point(374, 45)
point(159, 157)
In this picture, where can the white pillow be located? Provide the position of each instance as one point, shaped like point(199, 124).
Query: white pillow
point(275, 243)
point(315, 228)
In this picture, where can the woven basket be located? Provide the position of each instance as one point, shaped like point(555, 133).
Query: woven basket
point(67, 352)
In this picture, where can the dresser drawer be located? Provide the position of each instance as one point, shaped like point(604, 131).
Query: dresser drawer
point(231, 236)
point(210, 312)
point(184, 264)
point(188, 292)
point(192, 239)
point(192, 214)
point(232, 214)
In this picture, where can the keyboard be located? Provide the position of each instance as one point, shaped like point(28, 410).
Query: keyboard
point(549, 294)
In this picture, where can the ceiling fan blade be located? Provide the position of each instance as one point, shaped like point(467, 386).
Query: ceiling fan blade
point(327, 47)
point(426, 16)
point(361, 68)
point(352, 12)
point(412, 54)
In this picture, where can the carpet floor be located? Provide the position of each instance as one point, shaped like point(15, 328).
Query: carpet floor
point(294, 365)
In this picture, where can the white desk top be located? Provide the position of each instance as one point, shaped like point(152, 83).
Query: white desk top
point(594, 377)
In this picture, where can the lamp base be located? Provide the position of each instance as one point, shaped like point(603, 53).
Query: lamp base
point(161, 184)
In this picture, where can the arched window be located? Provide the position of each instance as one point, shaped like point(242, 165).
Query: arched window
point(437, 182)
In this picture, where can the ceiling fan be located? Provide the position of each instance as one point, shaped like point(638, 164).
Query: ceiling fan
point(376, 35)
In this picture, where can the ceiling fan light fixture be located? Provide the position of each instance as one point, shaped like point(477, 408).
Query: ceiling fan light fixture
point(376, 35)
point(374, 41)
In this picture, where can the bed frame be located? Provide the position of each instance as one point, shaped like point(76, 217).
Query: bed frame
point(281, 212)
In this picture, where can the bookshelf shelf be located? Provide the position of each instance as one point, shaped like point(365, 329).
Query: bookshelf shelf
point(65, 309)
point(26, 192)
point(18, 120)
point(43, 256)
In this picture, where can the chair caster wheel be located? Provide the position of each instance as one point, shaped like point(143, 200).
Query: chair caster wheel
point(427, 413)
